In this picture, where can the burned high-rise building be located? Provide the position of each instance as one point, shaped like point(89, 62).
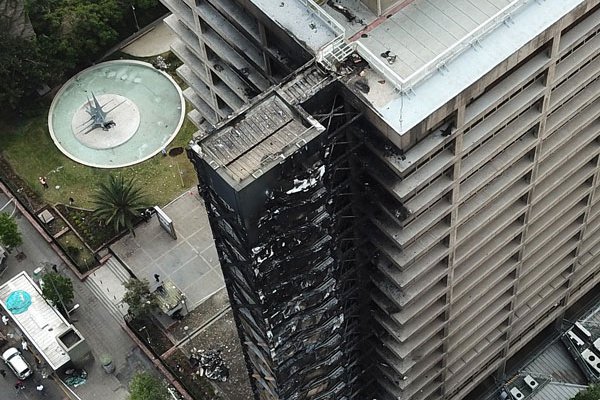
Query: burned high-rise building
point(402, 193)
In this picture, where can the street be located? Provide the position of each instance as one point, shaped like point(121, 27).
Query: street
point(34, 253)
point(102, 332)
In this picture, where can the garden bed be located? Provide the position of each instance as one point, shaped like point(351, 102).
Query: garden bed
point(55, 226)
point(81, 256)
point(94, 233)
point(151, 334)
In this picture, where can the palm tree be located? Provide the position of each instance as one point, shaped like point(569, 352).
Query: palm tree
point(118, 203)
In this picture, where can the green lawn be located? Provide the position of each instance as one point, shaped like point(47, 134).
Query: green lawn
point(28, 147)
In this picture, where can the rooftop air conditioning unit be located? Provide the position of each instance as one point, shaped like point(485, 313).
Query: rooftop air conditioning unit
point(516, 394)
point(532, 383)
point(592, 359)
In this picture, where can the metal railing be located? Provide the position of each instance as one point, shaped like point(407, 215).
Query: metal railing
point(404, 84)
point(325, 17)
point(334, 47)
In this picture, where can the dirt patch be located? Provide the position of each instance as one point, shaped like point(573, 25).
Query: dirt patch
point(151, 334)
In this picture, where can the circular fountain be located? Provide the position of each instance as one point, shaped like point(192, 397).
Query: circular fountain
point(116, 114)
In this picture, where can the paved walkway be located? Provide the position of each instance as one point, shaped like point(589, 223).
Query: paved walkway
point(157, 41)
point(191, 261)
point(103, 332)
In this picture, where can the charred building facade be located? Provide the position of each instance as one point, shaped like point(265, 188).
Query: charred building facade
point(409, 196)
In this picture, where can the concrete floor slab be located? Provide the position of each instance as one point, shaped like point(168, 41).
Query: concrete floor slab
point(202, 239)
point(176, 257)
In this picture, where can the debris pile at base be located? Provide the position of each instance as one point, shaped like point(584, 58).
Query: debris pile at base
point(210, 364)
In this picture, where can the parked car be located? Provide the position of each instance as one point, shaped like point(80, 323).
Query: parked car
point(15, 361)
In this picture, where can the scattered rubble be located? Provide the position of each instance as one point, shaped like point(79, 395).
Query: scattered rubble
point(209, 364)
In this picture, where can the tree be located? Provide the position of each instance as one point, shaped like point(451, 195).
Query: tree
point(138, 297)
point(592, 393)
point(22, 69)
point(58, 290)
point(118, 203)
point(10, 237)
point(75, 31)
point(144, 386)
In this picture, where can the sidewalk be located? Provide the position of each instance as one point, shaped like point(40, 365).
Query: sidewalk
point(157, 41)
point(191, 261)
point(103, 333)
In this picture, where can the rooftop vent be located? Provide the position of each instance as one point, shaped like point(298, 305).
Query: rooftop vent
point(516, 394)
point(532, 383)
point(592, 359)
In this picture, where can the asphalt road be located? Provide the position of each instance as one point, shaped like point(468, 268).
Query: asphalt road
point(35, 255)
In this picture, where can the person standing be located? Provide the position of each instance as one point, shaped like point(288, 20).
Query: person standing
point(43, 181)
point(24, 345)
point(5, 320)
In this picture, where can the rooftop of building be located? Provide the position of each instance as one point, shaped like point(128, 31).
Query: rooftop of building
point(41, 323)
point(421, 54)
point(425, 51)
point(263, 133)
point(562, 368)
point(303, 20)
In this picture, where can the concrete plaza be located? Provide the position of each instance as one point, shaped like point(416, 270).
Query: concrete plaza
point(190, 261)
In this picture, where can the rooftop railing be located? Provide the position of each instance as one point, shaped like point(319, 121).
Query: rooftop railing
point(439, 62)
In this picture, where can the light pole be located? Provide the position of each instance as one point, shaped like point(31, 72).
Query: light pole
point(137, 26)
point(184, 303)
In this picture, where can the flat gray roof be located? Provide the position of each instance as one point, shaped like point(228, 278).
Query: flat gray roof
point(403, 102)
point(41, 323)
point(557, 391)
point(441, 47)
point(426, 29)
point(303, 20)
point(556, 362)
